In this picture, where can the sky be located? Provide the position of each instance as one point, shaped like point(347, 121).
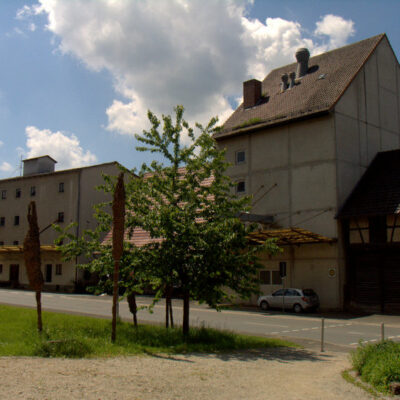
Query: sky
point(78, 76)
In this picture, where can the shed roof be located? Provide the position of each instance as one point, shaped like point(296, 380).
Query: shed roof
point(378, 191)
point(289, 236)
point(328, 77)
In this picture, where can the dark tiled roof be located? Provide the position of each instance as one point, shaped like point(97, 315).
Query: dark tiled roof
point(378, 191)
point(311, 96)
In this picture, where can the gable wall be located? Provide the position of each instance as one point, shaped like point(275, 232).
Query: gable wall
point(367, 118)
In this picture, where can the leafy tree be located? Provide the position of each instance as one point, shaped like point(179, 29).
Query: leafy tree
point(188, 202)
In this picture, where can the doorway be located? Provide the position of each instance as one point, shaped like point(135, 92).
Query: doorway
point(14, 275)
point(49, 271)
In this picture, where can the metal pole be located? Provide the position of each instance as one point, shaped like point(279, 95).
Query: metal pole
point(283, 297)
point(322, 334)
point(382, 331)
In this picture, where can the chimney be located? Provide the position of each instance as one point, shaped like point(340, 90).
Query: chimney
point(284, 84)
point(251, 93)
point(302, 57)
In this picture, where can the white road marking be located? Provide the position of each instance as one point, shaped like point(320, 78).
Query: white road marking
point(267, 325)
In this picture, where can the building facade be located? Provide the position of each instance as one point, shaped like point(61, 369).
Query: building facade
point(299, 144)
point(61, 197)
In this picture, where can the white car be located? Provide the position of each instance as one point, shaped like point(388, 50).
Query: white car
point(297, 300)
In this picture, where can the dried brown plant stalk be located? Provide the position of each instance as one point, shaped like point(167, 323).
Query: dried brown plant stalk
point(118, 208)
point(32, 259)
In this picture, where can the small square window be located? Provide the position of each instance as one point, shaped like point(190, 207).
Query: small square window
point(276, 278)
point(2, 221)
point(60, 217)
point(17, 193)
point(58, 269)
point(265, 277)
point(241, 187)
point(33, 190)
point(4, 194)
point(16, 220)
point(240, 157)
point(15, 243)
point(61, 187)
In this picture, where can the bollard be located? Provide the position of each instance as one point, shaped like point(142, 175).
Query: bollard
point(322, 334)
point(382, 331)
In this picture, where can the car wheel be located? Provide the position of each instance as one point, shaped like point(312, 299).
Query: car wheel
point(297, 308)
point(264, 305)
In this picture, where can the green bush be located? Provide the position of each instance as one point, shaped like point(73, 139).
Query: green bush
point(378, 364)
point(71, 348)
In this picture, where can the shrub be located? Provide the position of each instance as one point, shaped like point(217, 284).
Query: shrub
point(71, 348)
point(378, 364)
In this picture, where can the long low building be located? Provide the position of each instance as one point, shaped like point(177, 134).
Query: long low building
point(61, 197)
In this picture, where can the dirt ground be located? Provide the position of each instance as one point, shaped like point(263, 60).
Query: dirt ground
point(268, 374)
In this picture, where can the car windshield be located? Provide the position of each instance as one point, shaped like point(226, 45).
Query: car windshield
point(308, 292)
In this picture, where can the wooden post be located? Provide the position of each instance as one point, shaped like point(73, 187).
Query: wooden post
point(322, 334)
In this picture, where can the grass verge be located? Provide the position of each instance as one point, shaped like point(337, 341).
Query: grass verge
point(75, 336)
point(378, 364)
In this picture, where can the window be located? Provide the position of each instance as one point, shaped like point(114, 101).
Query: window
point(33, 190)
point(4, 194)
point(17, 193)
point(58, 269)
point(276, 278)
point(16, 220)
point(292, 292)
point(241, 187)
point(1, 268)
point(265, 277)
point(2, 221)
point(60, 217)
point(61, 187)
point(279, 292)
point(15, 243)
point(240, 157)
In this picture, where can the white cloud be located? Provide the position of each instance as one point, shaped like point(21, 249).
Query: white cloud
point(336, 28)
point(5, 167)
point(64, 148)
point(168, 52)
point(1, 143)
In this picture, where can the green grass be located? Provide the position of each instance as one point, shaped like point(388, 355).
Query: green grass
point(75, 336)
point(378, 364)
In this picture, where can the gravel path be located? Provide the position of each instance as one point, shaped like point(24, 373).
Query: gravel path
point(267, 374)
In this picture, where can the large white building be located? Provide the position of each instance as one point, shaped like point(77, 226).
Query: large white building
point(61, 197)
point(299, 143)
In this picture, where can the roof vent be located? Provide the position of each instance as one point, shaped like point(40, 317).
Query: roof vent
point(302, 57)
point(292, 77)
point(251, 93)
point(284, 84)
point(39, 165)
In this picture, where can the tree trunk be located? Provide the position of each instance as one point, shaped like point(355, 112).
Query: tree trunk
point(170, 313)
point(133, 307)
point(115, 299)
point(39, 311)
point(166, 308)
point(185, 326)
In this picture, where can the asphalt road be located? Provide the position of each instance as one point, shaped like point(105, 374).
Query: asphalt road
point(344, 331)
